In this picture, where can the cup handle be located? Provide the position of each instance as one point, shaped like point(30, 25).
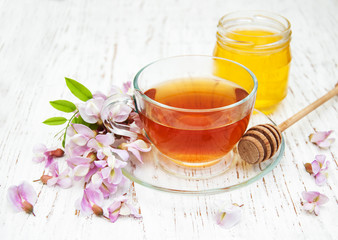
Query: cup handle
point(111, 106)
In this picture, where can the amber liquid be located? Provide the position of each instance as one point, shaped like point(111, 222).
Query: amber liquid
point(197, 138)
point(271, 66)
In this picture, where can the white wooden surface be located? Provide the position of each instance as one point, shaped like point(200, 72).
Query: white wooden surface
point(103, 42)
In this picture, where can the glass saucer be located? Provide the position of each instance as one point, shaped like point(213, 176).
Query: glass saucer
point(239, 174)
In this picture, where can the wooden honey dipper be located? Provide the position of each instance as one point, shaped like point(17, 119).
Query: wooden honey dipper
point(261, 142)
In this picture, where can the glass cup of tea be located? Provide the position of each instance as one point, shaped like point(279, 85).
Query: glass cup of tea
point(192, 114)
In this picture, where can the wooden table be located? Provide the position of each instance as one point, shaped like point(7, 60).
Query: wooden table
point(104, 42)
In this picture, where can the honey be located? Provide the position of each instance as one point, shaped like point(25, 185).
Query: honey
point(190, 134)
point(261, 43)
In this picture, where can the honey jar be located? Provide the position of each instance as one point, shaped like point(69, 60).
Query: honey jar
point(261, 42)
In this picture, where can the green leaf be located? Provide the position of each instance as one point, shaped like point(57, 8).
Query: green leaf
point(79, 91)
point(63, 105)
point(55, 121)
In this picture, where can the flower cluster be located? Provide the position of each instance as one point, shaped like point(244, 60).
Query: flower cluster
point(321, 139)
point(92, 153)
point(313, 201)
point(317, 169)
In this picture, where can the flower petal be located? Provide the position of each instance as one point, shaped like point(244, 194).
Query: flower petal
point(136, 153)
point(79, 139)
point(309, 206)
point(319, 136)
point(106, 139)
point(65, 182)
point(81, 170)
point(230, 217)
point(133, 210)
point(320, 179)
point(320, 158)
point(316, 210)
point(96, 180)
point(52, 181)
point(326, 143)
point(14, 198)
point(310, 196)
point(120, 112)
point(93, 143)
point(322, 199)
point(27, 192)
point(123, 154)
point(106, 172)
point(74, 161)
point(140, 145)
point(315, 167)
point(94, 195)
point(100, 163)
point(83, 130)
point(114, 211)
point(39, 148)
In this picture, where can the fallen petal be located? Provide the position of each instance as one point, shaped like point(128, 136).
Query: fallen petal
point(322, 199)
point(14, 198)
point(320, 179)
point(230, 217)
point(27, 192)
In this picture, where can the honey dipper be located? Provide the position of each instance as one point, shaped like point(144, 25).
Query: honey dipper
point(261, 142)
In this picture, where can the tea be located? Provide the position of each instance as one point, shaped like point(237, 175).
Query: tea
point(190, 134)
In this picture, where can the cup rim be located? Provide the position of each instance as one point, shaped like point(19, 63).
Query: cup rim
point(148, 99)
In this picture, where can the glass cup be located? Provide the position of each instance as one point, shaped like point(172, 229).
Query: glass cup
point(260, 41)
point(192, 115)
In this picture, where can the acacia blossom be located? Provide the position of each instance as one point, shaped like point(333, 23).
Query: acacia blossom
point(22, 197)
point(95, 156)
point(101, 143)
point(79, 137)
point(227, 217)
point(136, 147)
point(43, 154)
point(91, 202)
point(321, 139)
point(121, 206)
point(90, 110)
point(80, 166)
point(318, 169)
point(313, 201)
point(62, 179)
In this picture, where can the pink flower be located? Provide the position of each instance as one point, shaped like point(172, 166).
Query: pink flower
point(22, 197)
point(136, 147)
point(43, 154)
point(80, 166)
point(318, 169)
point(228, 217)
point(91, 202)
point(61, 179)
point(113, 172)
point(120, 112)
point(79, 136)
point(127, 88)
point(313, 201)
point(321, 139)
point(101, 143)
point(91, 109)
point(104, 185)
point(120, 206)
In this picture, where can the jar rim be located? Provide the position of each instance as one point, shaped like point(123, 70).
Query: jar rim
point(254, 18)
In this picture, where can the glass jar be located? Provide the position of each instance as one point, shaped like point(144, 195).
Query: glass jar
point(261, 42)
